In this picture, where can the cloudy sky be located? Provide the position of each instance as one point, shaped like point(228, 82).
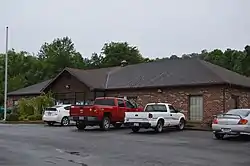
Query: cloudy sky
point(159, 28)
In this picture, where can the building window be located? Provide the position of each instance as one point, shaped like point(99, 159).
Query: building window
point(195, 108)
point(15, 102)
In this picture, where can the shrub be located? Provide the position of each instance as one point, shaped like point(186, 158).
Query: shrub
point(35, 117)
point(12, 117)
point(34, 106)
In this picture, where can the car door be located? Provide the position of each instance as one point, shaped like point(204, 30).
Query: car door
point(66, 111)
point(174, 115)
point(121, 109)
point(130, 107)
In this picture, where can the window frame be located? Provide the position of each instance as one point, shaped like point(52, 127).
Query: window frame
point(196, 116)
point(122, 102)
point(172, 111)
point(129, 104)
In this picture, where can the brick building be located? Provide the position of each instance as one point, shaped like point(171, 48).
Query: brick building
point(200, 88)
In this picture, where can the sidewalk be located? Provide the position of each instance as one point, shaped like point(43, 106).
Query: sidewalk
point(193, 126)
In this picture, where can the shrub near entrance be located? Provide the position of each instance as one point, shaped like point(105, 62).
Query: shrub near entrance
point(31, 108)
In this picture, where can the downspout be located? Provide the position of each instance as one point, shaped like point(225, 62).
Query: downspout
point(224, 99)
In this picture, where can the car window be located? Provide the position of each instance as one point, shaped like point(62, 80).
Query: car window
point(121, 103)
point(241, 112)
point(67, 108)
point(129, 105)
point(172, 109)
point(107, 102)
point(156, 108)
point(50, 109)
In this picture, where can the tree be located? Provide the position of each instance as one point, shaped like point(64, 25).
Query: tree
point(115, 52)
point(96, 61)
point(59, 54)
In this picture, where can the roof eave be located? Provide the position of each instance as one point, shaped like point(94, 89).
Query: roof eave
point(23, 94)
point(170, 86)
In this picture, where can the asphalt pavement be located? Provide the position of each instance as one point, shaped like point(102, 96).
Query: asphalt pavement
point(39, 145)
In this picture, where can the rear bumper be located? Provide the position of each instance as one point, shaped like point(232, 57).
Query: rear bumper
point(91, 120)
point(231, 129)
point(51, 119)
point(138, 124)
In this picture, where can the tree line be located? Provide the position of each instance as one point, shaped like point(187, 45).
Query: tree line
point(25, 69)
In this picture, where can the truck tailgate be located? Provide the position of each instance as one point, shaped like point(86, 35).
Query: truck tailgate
point(136, 116)
point(77, 110)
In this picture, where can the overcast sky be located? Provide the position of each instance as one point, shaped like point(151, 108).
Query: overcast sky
point(159, 28)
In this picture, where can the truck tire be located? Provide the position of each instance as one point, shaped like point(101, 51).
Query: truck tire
point(219, 136)
point(181, 124)
point(117, 125)
point(80, 125)
point(105, 125)
point(135, 129)
point(159, 126)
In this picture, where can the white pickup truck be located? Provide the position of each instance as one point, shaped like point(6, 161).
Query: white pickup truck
point(156, 116)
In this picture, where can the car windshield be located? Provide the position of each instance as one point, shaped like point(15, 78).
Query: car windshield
point(241, 112)
point(107, 102)
point(156, 108)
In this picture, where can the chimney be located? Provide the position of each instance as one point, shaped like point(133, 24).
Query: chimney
point(124, 63)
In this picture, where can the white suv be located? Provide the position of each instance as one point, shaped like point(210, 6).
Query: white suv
point(57, 114)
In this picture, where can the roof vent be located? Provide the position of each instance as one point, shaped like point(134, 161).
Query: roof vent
point(124, 63)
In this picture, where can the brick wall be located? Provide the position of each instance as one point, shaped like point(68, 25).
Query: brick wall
point(213, 98)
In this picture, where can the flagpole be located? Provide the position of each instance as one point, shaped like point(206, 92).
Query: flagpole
point(6, 74)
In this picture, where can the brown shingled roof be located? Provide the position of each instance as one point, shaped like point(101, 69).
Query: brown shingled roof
point(177, 72)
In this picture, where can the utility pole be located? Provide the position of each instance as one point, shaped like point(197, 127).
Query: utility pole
point(6, 74)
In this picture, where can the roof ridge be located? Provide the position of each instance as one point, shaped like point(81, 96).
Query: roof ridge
point(205, 64)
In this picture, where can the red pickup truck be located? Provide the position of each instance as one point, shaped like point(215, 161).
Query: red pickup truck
point(103, 112)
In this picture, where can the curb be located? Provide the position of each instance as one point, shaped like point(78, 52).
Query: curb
point(198, 129)
point(21, 122)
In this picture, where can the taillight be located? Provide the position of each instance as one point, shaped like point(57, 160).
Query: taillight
point(150, 115)
point(243, 121)
point(215, 121)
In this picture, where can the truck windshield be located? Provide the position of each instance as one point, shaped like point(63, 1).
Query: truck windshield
point(156, 108)
point(108, 102)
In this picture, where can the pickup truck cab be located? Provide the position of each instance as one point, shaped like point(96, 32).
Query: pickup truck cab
point(156, 116)
point(103, 112)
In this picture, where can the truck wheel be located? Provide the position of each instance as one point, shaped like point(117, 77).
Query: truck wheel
point(105, 123)
point(159, 127)
point(117, 125)
point(80, 125)
point(181, 124)
point(219, 136)
point(65, 121)
point(135, 129)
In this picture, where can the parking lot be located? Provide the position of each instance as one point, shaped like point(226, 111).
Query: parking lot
point(41, 145)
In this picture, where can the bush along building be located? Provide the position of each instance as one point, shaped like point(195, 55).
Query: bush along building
point(200, 88)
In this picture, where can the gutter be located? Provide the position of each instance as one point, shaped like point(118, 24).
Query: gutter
point(224, 99)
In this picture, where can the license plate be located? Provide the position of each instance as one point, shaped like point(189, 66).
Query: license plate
point(226, 130)
point(81, 118)
point(136, 124)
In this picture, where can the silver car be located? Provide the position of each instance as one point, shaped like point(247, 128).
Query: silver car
point(234, 122)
